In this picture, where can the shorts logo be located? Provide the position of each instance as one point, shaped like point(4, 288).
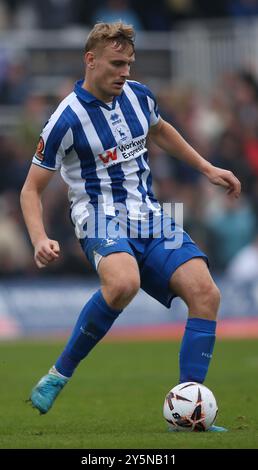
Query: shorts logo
point(108, 242)
point(40, 149)
point(108, 155)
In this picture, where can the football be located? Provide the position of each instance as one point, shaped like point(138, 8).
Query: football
point(190, 406)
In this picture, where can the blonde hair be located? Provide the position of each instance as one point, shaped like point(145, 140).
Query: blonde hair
point(103, 33)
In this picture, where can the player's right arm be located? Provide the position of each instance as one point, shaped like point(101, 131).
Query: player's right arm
point(45, 250)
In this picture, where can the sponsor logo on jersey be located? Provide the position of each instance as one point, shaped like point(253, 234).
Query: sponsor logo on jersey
point(124, 151)
point(133, 148)
point(40, 149)
point(108, 155)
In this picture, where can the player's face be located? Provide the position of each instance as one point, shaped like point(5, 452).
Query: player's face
point(110, 69)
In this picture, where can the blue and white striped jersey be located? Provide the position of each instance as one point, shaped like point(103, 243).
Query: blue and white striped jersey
point(100, 150)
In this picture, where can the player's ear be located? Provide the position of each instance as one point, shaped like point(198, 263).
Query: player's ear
point(90, 59)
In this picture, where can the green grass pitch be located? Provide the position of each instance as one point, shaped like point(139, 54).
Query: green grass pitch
point(115, 398)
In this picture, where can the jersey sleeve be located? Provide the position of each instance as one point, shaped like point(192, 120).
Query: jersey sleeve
point(54, 141)
point(153, 107)
point(147, 101)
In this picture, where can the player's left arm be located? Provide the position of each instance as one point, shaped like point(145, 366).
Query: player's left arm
point(166, 137)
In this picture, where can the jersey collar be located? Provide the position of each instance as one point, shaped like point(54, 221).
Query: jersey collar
point(86, 96)
point(82, 93)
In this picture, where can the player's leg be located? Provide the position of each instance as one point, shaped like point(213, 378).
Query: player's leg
point(193, 283)
point(183, 272)
point(120, 281)
point(168, 273)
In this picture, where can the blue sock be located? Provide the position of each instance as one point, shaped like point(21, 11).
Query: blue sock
point(95, 319)
point(196, 349)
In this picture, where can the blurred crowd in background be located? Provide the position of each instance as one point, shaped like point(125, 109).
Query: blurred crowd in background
point(145, 15)
point(221, 125)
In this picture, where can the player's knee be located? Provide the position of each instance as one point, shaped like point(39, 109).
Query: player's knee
point(204, 300)
point(123, 290)
point(210, 300)
point(214, 300)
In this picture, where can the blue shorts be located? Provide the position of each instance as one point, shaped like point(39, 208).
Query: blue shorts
point(156, 263)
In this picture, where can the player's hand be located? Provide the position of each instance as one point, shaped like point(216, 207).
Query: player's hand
point(226, 179)
point(46, 251)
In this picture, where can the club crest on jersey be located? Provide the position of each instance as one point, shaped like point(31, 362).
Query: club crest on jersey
point(40, 149)
point(122, 134)
point(109, 155)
